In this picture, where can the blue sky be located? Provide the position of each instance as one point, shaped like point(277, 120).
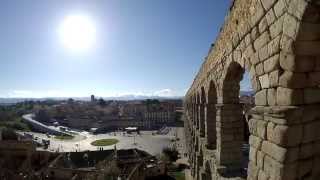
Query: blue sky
point(143, 47)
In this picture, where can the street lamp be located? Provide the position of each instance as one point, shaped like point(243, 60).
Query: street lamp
point(134, 140)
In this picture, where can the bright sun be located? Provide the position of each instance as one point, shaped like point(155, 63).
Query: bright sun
point(77, 33)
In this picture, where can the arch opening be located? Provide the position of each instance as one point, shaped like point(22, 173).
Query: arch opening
point(197, 110)
point(211, 116)
point(202, 107)
point(232, 126)
point(207, 174)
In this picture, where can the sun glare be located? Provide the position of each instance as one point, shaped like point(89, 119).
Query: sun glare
point(77, 33)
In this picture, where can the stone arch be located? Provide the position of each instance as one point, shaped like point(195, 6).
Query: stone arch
point(300, 60)
point(277, 41)
point(202, 107)
point(207, 174)
point(211, 116)
point(298, 92)
point(231, 83)
point(194, 110)
point(201, 158)
point(230, 121)
point(197, 144)
point(197, 110)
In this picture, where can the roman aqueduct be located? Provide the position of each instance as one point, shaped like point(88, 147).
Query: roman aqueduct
point(278, 43)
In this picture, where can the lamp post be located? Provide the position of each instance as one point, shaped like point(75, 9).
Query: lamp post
point(134, 140)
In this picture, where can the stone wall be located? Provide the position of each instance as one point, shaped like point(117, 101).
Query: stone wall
point(278, 43)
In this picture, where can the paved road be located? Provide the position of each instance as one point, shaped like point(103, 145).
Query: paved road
point(42, 127)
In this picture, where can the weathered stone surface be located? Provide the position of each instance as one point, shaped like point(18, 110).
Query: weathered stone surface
point(307, 47)
point(263, 53)
point(293, 80)
point(311, 113)
point(312, 95)
point(267, 4)
point(256, 84)
point(286, 96)
point(247, 40)
point(262, 176)
point(261, 97)
point(259, 12)
point(305, 168)
point(262, 40)
point(297, 8)
point(287, 44)
point(271, 17)
point(287, 61)
point(254, 33)
point(253, 171)
point(276, 28)
point(254, 58)
point(259, 69)
point(274, 46)
point(314, 78)
point(280, 7)
point(263, 25)
point(264, 81)
point(272, 97)
point(248, 52)
point(297, 64)
point(309, 32)
point(253, 155)
point(237, 55)
point(317, 65)
point(284, 114)
point(283, 135)
point(277, 41)
point(273, 150)
point(253, 126)
point(255, 142)
point(274, 78)
point(260, 159)
point(271, 64)
point(290, 26)
point(262, 129)
point(311, 132)
point(307, 150)
point(235, 39)
point(252, 72)
point(304, 63)
point(315, 168)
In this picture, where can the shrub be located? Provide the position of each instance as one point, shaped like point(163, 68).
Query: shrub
point(171, 153)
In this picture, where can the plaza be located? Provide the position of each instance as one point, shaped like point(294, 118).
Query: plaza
point(148, 141)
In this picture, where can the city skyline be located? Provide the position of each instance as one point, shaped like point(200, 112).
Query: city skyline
point(141, 48)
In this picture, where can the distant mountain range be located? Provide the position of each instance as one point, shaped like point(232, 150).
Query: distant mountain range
point(119, 98)
point(8, 101)
point(246, 93)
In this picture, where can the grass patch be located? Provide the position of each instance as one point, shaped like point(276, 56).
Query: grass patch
point(64, 137)
point(104, 142)
point(178, 175)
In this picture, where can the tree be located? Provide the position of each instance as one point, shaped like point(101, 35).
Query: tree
point(70, 101)
point(9, 134)
point(43, 116)
point(171, 153)
point(101, 102)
